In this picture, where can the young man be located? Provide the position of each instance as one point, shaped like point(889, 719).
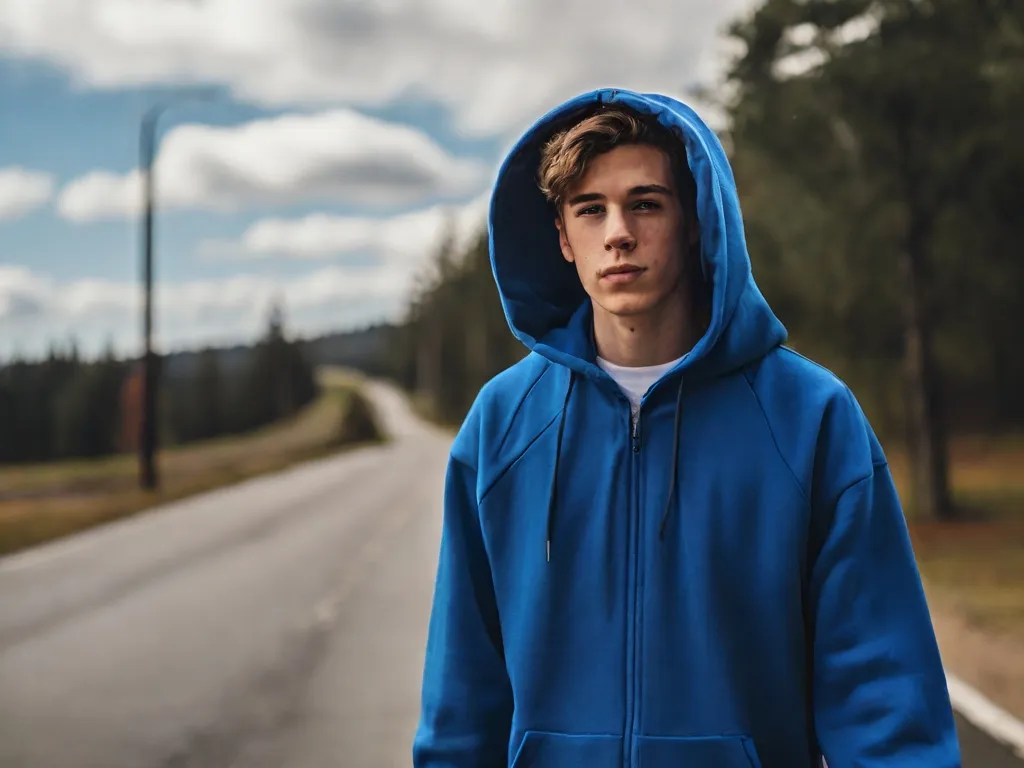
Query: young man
point(668, 540)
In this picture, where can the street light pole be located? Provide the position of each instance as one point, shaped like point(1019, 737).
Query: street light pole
point(148, 438)
point(148, 475)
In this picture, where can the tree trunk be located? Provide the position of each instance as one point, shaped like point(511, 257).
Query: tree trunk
point(926, 428)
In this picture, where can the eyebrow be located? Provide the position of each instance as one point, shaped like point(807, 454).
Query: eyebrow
point(643, 189)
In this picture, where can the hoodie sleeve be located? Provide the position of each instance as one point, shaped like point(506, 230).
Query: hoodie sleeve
point(466, 704)
point(879, 687)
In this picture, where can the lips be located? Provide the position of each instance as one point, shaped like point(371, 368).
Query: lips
point(621, 273)
point(620, 269)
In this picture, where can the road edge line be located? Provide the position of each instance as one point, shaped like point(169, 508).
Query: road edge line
point(986, 715)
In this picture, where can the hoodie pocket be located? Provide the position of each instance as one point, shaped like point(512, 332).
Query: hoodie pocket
point(542, 749)
point(703, 752)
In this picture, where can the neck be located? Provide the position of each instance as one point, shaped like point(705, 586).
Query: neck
point(665, 333)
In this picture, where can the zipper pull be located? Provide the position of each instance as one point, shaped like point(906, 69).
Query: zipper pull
point(635, 437)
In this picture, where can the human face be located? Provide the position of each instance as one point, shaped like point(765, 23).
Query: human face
point(623, 227)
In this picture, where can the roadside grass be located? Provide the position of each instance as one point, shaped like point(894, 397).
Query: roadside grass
point(42, 502)
point(973, 567)
point(978, 560)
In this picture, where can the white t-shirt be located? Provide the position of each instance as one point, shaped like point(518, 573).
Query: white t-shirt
point(634, 382)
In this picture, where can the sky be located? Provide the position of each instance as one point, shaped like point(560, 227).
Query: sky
point(311, 152)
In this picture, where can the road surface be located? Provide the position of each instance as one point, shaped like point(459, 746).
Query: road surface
point(278, 623)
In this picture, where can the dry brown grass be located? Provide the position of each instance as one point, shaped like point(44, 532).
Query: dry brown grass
point(987, 475)
point(46, 501)
point(978, 561)
point(974, 567)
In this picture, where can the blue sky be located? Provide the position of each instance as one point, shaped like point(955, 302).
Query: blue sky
point(340, 137)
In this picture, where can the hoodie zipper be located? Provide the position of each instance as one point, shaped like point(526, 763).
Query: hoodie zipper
point(633, 678)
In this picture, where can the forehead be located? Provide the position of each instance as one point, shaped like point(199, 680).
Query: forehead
point(627, 166)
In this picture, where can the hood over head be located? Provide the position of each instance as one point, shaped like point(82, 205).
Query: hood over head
point(543, 299)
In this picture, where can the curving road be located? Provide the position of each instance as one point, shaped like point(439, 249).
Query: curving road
point(279, 622)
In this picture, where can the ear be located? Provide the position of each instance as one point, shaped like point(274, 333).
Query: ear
point(563, 241)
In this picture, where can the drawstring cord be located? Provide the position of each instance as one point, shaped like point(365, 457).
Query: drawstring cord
point(554, 472)
point(673, 467)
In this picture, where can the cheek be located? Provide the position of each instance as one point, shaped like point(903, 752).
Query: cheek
point(587, 245)
point(664, 235)
point(585, 237)
point(663, 245)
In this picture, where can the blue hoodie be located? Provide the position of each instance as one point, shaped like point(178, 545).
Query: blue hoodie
point(731, 585)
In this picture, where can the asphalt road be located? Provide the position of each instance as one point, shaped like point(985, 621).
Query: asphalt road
point(276, 623)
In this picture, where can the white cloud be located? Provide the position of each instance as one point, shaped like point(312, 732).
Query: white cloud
point(404, 239)
point(495, 64)
point(101, 195)
point(339, 155)
point(22, 191)
point(36, 310)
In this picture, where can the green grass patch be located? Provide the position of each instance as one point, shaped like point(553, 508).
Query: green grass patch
point(42, 502)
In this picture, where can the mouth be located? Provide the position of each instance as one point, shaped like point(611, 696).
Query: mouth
point(621, 273)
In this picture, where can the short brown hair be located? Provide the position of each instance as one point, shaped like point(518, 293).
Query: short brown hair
point(566, 156)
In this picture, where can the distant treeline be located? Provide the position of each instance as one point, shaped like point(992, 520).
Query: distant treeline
point(64, 407)
point(455, 337)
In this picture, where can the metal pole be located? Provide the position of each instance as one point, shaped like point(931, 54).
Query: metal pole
point(148, 438)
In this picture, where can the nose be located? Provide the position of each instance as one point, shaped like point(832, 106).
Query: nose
point(618, 236)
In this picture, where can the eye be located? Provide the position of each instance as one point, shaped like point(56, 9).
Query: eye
point(647, 205)
point(588, 210)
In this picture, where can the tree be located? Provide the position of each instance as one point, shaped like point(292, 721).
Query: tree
point(86, 411)
point(209, 396)
point(890, 113)
point(455, 336)
point(278, 379)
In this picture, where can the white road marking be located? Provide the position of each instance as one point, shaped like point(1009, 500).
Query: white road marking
point(985, 715)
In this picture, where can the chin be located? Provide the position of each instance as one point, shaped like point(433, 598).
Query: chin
point(624, 305)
